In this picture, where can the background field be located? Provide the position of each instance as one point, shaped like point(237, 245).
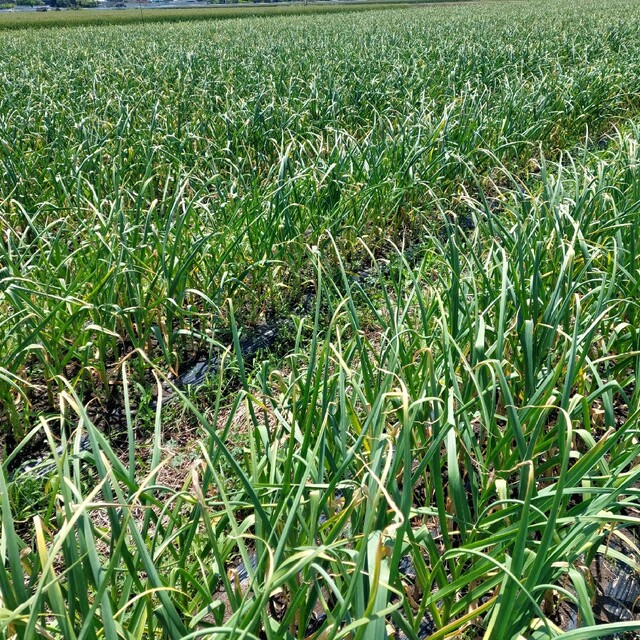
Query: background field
point(141, 13)
point(397, 252)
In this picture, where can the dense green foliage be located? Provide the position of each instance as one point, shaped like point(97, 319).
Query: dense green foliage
point(143, 14)
point(29, 3)
point(471, 404)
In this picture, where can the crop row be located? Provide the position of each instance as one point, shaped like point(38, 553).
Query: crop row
point(446, 444)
